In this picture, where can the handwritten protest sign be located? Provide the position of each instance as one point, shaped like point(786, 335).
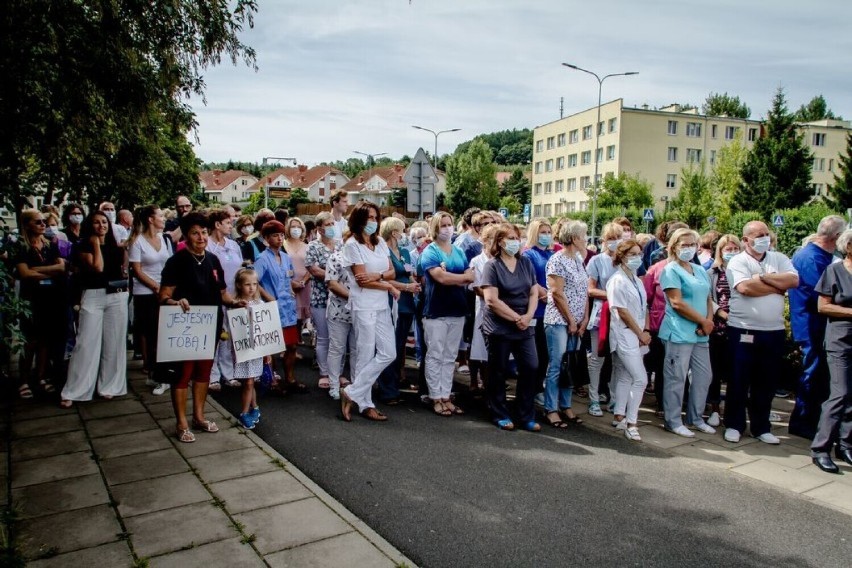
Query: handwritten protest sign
point(255, 331)
point(186, 336)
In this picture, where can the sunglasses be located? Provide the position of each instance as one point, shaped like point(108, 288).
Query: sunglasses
point(38, 222)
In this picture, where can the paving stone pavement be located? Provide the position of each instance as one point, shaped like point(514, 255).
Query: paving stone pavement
point(107, 483)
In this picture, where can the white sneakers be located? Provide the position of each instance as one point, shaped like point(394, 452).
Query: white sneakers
point(595, 409)
point(632, 434)
point(682, 431)
point(769, 438)
point(161, 388)
point(732, 435)
point(714, 419)
point(620, 424)
point(705, 428)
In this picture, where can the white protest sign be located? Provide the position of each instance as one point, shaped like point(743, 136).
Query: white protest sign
point(186, 336)
point(255, 331)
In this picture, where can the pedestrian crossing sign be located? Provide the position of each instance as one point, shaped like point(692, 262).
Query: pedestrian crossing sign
point(648, 215)
point(778, 220)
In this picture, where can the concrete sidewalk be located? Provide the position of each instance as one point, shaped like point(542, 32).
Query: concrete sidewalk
point(107, 483)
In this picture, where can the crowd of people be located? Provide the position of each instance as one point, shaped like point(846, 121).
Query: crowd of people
point(674, 314)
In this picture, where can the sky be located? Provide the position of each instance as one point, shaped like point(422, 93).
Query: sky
point(338, 76)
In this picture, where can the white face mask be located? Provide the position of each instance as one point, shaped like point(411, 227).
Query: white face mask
point(246, 230)
point(761, 244)
point(612, 245)
point(686, 253)
point(445, 233)
point(75, 219)
point(296, 233)
point(111, 216)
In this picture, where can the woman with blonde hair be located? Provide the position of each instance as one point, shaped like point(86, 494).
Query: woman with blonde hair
point(446, 275)
point(296, 249)
point(720, 292)
point(686, 329)
point(42, 273)
point(539, 250)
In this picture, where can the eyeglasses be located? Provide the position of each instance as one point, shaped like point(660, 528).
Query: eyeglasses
point(38, 221)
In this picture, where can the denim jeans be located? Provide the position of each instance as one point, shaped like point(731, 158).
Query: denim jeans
point(557, 343)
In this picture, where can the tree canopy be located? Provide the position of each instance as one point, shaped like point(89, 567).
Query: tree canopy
point(816, 109)
point(96, 90)
point(626, 190)
point(777, 172)
point(840, 192)
point(471, 178)
point(694, 202)
point(509, 147)
point(517, 186)
point(724, 104)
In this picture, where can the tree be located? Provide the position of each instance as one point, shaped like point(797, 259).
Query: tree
point(816, 109)
point(727, 175)
point(508, 147)
point(840, 192)
point(777, 172)
point(694, 201)
point(297, 196)
point(399, 197)
point(471, 178)
point(625, 191)
point(725, 105)
point(511, 203)
point(518, 186)
point(91, 85)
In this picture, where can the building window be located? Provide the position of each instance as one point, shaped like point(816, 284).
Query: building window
point(752, 134)
point(560, 185)
point(537, 211)
point(601, 128)
point(585, 182)
point(672, 154)
point(613, 124)
point(693, 155)
point(560, 140)
point(551, 143)
point(713, 129)
point(830, 165)
point(572, 184)
point(548, 210)
point(587, 132)
point(572, 207)
point(537, 189)
point(214, 198)
point(817, 187)
point(731, 132)
point(818, 139)
point(548, 165)
point(572, 161)
point(548, 187)
point(599, 155)
point(712, 157)
point(573, 136)
point(671, 181)
point(560, 163)
point(672, 127)
point(819, 164)
point(558, 209)
point(693, 129)
point(244, 182)
point(539, 145)
point(586, 158)
point(584, 206)
point(538, 167)
point(610, 152)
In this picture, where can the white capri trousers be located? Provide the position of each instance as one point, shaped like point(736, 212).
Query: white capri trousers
point(99, 358)
point(376, 341)
point(442, 340)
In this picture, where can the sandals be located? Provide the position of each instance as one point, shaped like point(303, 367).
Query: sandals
point(505, 424)
point(374, 415)
point(344, 382)
point(185, 436)
point(532, 426)
point(294, 386)
point(234, 383)
point(559, 424)
point(440, 409)
point(345, 406)
point(205, 426)
point(66, 403)
point(24, 391)
point(46, 387)
point(215, 387)
point(453, 408)
point(324, 383)
point(570, 419)
point(582, 392)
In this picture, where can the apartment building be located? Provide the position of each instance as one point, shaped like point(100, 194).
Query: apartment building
point(652, 143)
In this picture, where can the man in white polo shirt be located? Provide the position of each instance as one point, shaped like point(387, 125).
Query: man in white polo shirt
point(339, 206)
point(759, 278)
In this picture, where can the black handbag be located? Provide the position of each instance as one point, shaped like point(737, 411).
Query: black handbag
point(574, 368)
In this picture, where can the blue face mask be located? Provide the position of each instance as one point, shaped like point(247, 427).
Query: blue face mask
point(371, 227)
point(512, 246)
point(634, 263)
point(545, 240)
point(728, 256)
point(329, 232)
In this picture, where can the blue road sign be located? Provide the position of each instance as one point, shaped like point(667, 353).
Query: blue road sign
point(648, 215)
point(711, 220)
point(504, 212)
point(527, 212)
point(778, 220)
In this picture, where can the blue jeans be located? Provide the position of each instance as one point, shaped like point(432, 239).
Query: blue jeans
point(812, 390)
point(557, 343)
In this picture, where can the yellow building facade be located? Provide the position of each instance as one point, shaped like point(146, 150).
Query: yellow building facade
point(653, 144)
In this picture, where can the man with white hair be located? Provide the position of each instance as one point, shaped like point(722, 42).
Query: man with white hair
point(759, 278)
point(808, 325)
point(120, 233)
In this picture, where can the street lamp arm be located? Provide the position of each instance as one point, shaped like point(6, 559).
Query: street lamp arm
point(592, 73)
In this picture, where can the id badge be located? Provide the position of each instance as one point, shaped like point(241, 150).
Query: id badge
point(533, 322)
point(409, 268)
point(746, 338)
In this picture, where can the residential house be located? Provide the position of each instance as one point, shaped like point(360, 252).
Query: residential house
point(226, 186)
point(319, 182)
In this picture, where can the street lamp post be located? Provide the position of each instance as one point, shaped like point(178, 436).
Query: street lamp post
point(435, 134)
point(266, 185)
point(371, 159)
point(597, 134)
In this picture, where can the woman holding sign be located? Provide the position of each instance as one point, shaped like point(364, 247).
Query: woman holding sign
point(194, 277)
point(366, 255)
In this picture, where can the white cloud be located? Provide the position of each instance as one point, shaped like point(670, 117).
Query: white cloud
point(340, 76)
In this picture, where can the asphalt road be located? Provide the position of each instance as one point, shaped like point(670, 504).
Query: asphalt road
point(459, 492)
